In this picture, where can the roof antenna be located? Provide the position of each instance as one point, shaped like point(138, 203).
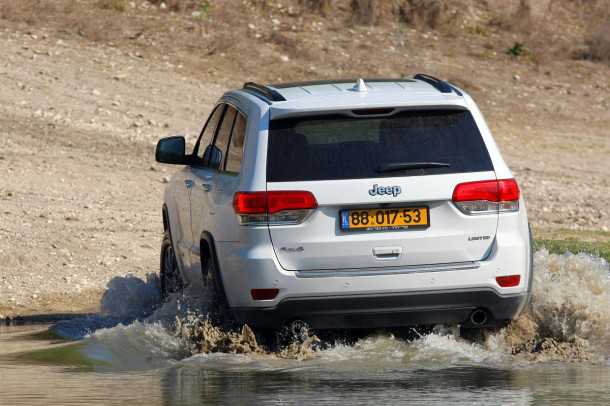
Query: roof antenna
point(360, 86)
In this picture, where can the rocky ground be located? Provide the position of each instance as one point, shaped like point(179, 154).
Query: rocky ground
point(80, 193)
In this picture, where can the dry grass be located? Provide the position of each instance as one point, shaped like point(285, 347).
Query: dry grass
point(116, 5)
point(26, 11)
point(549, 29)
point(100, 23)
point(515, 19)
point(180, 5)
point(422, 13)
point(598, 44)
point(597, 38)
point(443, 15)
point(316, 6)
point(366, 11)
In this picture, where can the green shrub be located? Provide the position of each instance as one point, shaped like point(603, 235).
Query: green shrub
point(516, 50)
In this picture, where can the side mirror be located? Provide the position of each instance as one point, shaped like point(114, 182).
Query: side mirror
point(171, 150)
point(212, 157)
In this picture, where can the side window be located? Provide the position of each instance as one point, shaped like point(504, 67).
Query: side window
point(224, 132)
point(236, 147)
point(207, 135)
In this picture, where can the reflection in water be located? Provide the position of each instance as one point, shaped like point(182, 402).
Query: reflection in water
point(194, 384)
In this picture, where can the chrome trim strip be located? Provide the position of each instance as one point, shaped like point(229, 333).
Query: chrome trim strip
point(333, 273)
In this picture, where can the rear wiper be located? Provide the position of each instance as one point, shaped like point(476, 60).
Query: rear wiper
point(400, 166)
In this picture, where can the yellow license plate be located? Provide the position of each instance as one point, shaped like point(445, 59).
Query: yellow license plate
point(394, 218)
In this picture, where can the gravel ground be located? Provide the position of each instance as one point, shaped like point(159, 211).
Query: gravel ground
point(80, 195)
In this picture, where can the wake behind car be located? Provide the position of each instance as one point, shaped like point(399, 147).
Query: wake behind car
point(347, 204)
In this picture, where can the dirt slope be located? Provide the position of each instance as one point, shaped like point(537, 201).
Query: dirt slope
point(80, 112)
point(80, 194)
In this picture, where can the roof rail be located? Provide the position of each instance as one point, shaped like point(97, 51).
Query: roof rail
point(337, 82)
point(440, 85)
point(264, 92)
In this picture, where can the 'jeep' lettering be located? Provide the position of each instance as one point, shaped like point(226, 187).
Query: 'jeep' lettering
point(385, 190)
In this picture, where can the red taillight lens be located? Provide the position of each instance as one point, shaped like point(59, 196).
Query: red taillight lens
point(250, 202)
point(487, 196)
point(508, 190)
point(508, 281)
point(276, 207)
point(264, 294)
point(280, 201)
point(484, 190)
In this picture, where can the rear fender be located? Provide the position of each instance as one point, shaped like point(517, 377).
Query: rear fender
point(207, 252)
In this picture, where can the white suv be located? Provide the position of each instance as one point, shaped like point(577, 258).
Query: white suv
point(347, 204)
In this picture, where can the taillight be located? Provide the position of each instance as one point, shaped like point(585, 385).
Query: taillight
point(508, 281)
point(264, 294)
point(487, 196)
point(277, 207)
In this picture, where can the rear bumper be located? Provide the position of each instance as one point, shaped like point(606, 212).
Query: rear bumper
point(252, 264)
point(388, 310)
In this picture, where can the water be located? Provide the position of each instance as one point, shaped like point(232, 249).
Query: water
point(558, 353)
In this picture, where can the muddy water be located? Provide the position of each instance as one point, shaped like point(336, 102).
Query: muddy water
point(557, 353)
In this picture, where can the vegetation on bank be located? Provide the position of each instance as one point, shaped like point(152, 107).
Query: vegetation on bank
point(600, 249)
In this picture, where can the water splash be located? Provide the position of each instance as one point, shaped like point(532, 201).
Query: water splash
point(126, 299)
point(568, 320)
point(569, 316)
point(201, 336)
point(139, 345)
point(130, 297)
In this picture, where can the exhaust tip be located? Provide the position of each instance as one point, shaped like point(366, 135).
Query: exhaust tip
point(478, 317)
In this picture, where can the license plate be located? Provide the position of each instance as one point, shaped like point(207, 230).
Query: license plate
point(394, 218)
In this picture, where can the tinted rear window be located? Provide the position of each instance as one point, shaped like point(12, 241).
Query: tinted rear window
point(343, 147)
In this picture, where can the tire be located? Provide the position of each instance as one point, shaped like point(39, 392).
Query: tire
point(218, 305)
point(171, 281)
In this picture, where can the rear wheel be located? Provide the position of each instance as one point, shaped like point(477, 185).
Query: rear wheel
point(171, 281)
point(218, 306)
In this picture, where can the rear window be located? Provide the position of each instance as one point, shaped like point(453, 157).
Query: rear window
point(342, 147)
